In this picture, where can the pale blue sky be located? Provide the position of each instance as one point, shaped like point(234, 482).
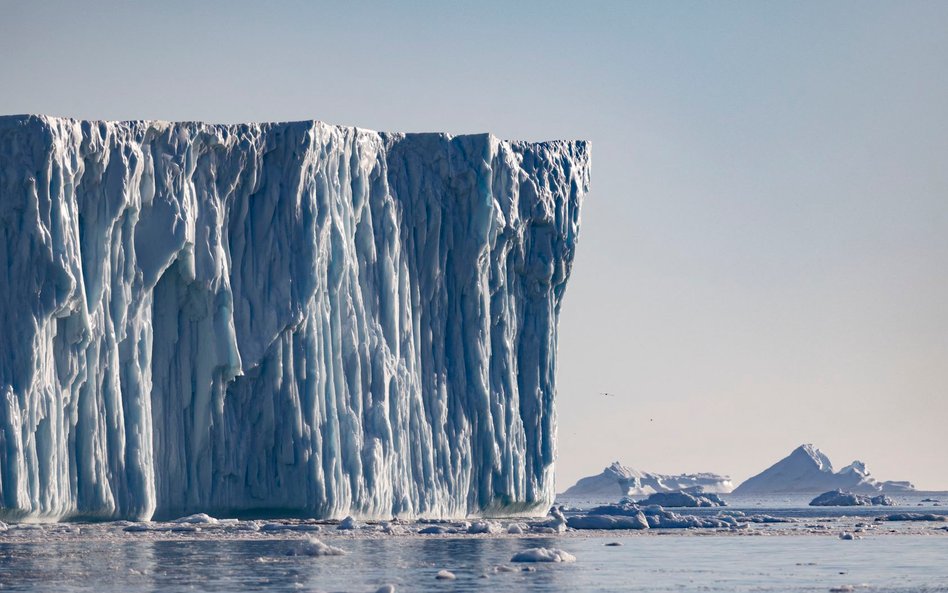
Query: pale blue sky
point(764, 254)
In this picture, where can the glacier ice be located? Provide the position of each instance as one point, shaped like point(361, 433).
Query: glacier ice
point(285, 319)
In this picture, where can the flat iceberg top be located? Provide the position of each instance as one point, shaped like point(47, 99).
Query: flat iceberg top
point(292, 319)
point(225, 129)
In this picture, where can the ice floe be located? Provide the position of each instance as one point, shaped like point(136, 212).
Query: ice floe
point(543, 555)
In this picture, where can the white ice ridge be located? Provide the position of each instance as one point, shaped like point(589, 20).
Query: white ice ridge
point(289, 318)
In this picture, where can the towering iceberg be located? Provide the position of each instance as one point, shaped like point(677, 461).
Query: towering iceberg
point(290, 318)
point(809, 470)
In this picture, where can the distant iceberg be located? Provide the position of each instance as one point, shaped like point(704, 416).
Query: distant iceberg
point(809, 470)
point(279, 318)
point(617, 481)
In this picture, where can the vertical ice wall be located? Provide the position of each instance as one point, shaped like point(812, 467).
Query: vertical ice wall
point(285, 318)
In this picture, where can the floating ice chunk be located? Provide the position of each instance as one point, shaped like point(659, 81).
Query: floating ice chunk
point(912, 517)
point(436, 530)
point(483, 527)
point(386, 588)
point(556, 522)
point(683, 498)
point(842, 589)
point(185, 528)
point(637, 521)
point(516, 528)
point(838, 498)
point(768, 519)
point(314, 547)
point(391, 528)
point(348, 524)
point(445, 575)
point(617, 516)
point(848, 536)
point(198, 519)
point(297, 527)
point(543, 555)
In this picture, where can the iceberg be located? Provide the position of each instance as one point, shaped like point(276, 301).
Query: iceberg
point(280, 319)
point(619, 480)
point(809, 470)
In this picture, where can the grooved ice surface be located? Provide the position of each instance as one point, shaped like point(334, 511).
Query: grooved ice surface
point(290, 318)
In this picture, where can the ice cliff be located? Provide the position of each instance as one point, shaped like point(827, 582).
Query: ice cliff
point(292, 319)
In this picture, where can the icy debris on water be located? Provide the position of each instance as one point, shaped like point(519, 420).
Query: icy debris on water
point(543, 555)
point(197, 519)
point(848, 536)
point(516, 528)
point(348, 524)
point(316, 548)
point(487, 527)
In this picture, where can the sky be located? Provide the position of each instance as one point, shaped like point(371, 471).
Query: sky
point(763, 260)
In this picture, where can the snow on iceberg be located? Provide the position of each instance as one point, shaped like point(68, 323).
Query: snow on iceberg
point(291, 318)
point(618, 480)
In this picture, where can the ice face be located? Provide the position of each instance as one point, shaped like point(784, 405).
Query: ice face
point(285, 318)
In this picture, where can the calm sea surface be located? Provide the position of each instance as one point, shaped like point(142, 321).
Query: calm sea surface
point(805, 555)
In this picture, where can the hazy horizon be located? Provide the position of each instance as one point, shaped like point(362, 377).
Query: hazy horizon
point(764, 253)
